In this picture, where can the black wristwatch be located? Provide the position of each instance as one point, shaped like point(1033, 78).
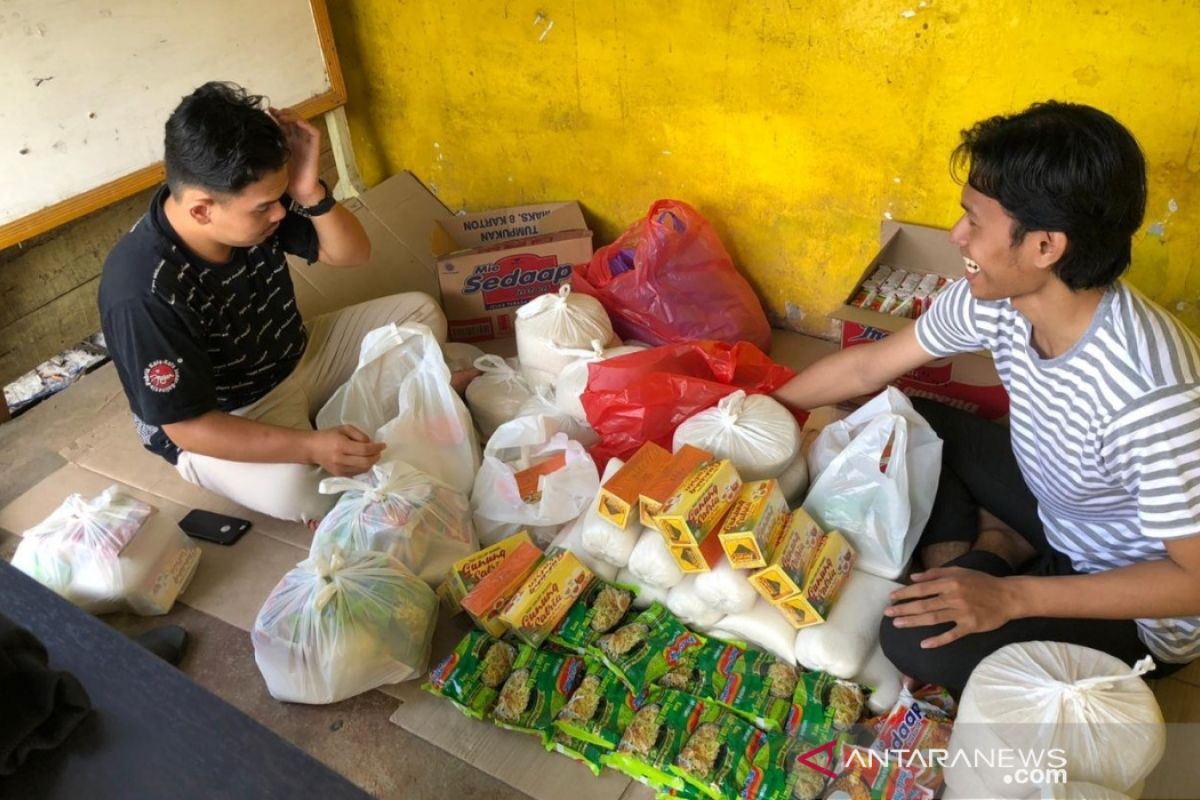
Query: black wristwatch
point(318, 209)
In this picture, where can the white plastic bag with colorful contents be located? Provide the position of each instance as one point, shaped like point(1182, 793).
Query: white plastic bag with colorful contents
point(102, 556)
point(876, 479)
point(551, 326)
point(396, 509)
point(400, 394)
point(340, 624)
point(757, 433)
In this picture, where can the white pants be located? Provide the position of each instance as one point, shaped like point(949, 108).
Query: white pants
point(289, 491)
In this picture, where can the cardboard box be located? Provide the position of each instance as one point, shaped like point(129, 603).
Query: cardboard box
point(753, 525)
point(466, 573)
point(487, 601)
point(810, 603)
point(541, 603)
point(491, 263)
point(699, 503)
point(618, 498)
point(682, 463)
point(967, 381)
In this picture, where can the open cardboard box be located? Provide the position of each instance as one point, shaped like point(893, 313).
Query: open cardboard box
point(967, 381)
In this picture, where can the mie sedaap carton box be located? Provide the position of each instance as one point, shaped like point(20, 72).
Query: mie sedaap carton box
point(491, 263)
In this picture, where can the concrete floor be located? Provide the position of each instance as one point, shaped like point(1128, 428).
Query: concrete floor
point(353, 737)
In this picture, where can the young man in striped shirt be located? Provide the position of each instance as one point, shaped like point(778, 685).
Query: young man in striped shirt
point(1077, 523)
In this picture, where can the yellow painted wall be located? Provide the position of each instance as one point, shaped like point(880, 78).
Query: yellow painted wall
point(794, 126)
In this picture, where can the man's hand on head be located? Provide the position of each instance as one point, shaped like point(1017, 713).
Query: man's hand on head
point(344, 451)
point(304, 142)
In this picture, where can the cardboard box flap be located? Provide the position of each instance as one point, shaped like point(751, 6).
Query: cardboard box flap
point(452, 234)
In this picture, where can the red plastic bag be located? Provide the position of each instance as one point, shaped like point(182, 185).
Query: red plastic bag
point(669, 279)
point(642, 397)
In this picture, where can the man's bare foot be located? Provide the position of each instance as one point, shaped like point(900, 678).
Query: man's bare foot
point(461, 378)
point(1007, 544)
point(942, 553)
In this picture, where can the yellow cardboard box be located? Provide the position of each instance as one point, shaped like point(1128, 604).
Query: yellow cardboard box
point(698, 505)
point(822, 584)
point(490, 596)
point(618, 499)
point(541, 603)
point(754, 524)
point(467, 572)
point(659, 490)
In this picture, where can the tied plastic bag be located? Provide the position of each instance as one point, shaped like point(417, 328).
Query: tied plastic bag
point(668, 278)
point(340, 624)
point(553, 325)
point(573, 379)
point(842, 645)
point(651, 562)
point(875, 477)
point(756, 433)
point(496, 396)
point(643, 397)
point(401, 511)
point(504, 502)
point(100, 555)
point(400, 394)
point(1086, 707)
point(762, 626)
point(541, 404)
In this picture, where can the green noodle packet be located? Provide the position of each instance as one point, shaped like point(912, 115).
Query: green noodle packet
point(648, 647)
point(589, 755)
point(656, 734)
point(779, 774)
point(688, 792)
point(823, 708)
point(472, 675)
point(748, 682)
point(718, 755)
point(536, 690)
point(602, 606)
point(599, 710)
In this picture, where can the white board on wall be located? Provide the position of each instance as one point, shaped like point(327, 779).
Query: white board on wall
point(88, 85)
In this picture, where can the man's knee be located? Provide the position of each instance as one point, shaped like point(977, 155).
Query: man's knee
point(902, 646)
point(296, 495)
point(420, 307)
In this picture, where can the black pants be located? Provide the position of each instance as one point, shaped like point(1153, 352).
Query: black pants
point(980, 471)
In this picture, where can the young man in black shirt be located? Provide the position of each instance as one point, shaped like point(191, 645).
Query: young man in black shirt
point(222, 375)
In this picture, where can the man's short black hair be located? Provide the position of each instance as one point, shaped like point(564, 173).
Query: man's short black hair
point(1062, 167)
point(219, 138)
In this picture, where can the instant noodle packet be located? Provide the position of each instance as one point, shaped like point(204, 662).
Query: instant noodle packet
point(823, 707)
point(472, 675)
point(749, 682)
point(596, 613)
point(648, 647)
point(718, 754)
point(587, 754)
point(656, 735)
point(599, 709)
point(536, 690)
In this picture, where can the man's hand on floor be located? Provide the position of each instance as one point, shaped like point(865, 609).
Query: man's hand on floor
point(344, 451)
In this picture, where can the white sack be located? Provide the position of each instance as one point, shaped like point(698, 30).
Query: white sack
point(683, 602)
point(573, 379)
point(553, 323)
point(647, 595)
point(398, 510)
point(651, 561)
point(569, 538)
point(601, 538)
point(460, 355)
point(881, 513)
point(842, 644)
point(755, 432)
point(497, 394)
point(1039, 696)
point(102, 556)
point(882, 678)
point(762, 626)
point(793, 481)
point(338, 625)
point(400, 394)
point(726, 589)
point(565, 494)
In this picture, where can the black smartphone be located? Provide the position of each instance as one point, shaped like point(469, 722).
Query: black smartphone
point(213, 527)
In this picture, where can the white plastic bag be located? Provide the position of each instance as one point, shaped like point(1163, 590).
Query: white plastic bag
point(496, 396)
point(565, 493)
point(843, 643)
point(647, 594)
point(726, 589)
point(341, 624)
point(401, 511)
point(573, 379)
point(602, 539)
point(878, 474)
point(550, 326)
point(541, 405)
point(793, 481)
point(651, 561)
point(101, 555)
point(400, 394)
point(762, 626)
point(569, 538)
point(683, 602)
point(755, 432)
point(1089, 706)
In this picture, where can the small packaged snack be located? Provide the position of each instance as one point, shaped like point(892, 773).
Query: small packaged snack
point(648, 647)
point(490, 597)
point(916, 726)
point(863, 777)
point(472, 675)
point(699, 504)
point(618, 501)
point(466, 573)
point(822, 707)
point(717, 754)
point(656, 734)
point(596, 613)
point(536, 690)
point(754, 524)
point(599, 709)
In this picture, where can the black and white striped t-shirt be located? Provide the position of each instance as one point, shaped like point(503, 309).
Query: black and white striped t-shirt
point(1107, 435)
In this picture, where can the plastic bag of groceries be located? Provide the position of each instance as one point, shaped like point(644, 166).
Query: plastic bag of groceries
point(401, 511)
point(531, 481)
point(551, 326)
point(496, 396)
point(99, 555)
point(876, 477)
point(400, 394)
point(340, 624)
